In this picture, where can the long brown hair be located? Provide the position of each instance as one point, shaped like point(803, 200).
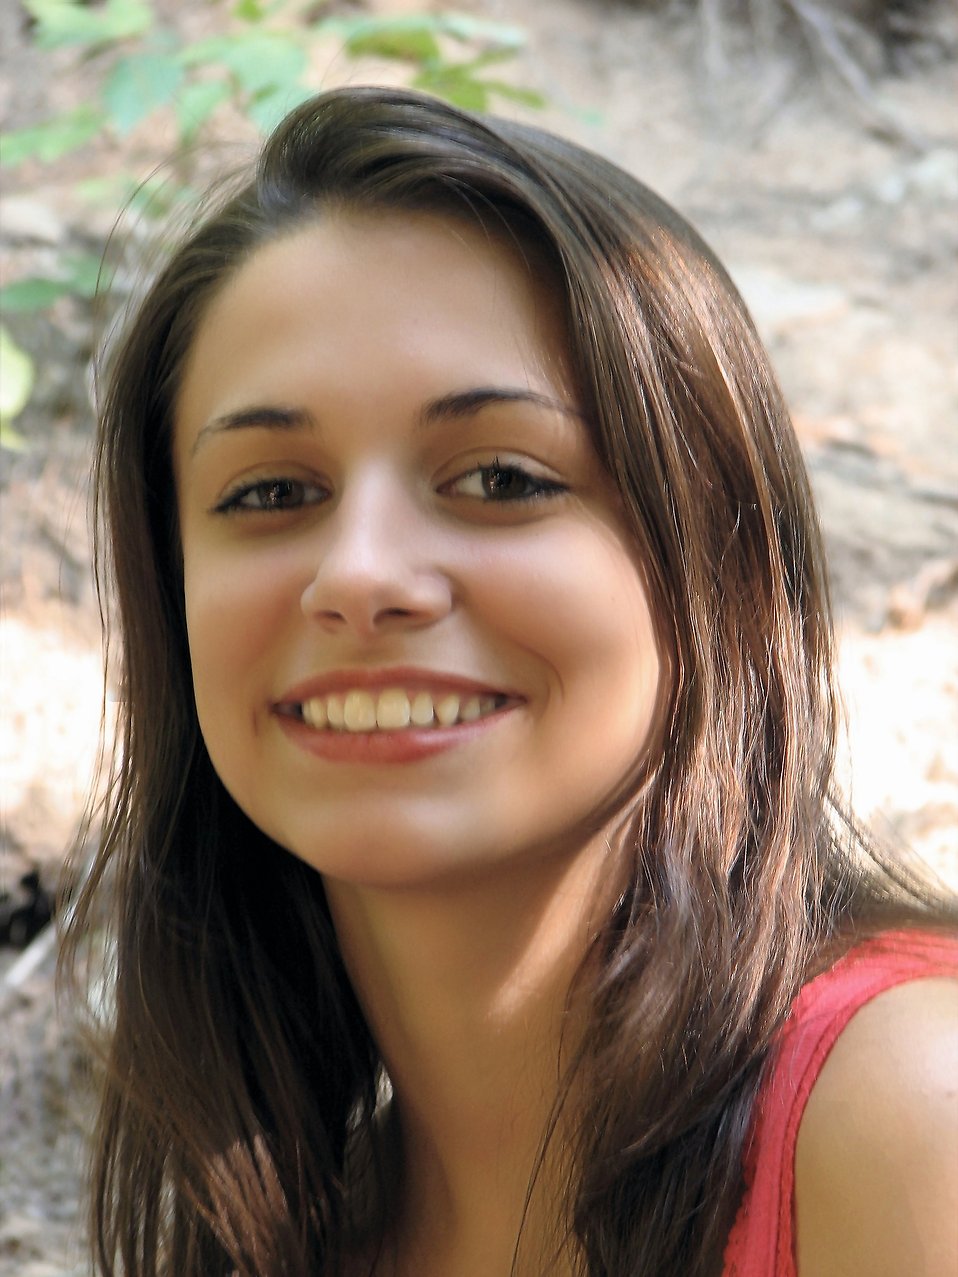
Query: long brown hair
point(239, 1072)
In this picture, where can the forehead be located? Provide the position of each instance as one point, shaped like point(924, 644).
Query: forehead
point(382, 296)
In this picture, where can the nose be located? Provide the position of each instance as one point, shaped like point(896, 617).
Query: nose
point(374, 568)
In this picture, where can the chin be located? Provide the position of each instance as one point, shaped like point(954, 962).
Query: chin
point(380, 855)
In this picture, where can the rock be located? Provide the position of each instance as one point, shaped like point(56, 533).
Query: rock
point(31, 221)
point(933, 175)
point(843, 212)
point(936, 173)
point(910, 600)
point(777, 301)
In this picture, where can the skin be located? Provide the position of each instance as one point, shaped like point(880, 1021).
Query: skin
point(464, 885)
point(393, 557)
point(876, 1164)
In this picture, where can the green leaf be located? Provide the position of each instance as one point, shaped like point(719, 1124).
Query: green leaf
point(54, 138)
point(196, 103)
point(157, 197)
point(400, 43)
point(249, 11)
point(11, 439)
point(449, 83)
point(267, 109)
point(460, 28)
point(513, 93)
point(152, 197)
point(17, 375)
point(208, 51)
point(107, 192)
point(83, 273)
point(490, 58)
point(138, 85)
point(470, 30)
point(80, 278)
point(262, 62)
point(258, 60)
point(61, 22)
point(35, 293)
point(413, 38)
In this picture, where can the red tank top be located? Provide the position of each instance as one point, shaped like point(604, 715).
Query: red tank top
point(761, 1243)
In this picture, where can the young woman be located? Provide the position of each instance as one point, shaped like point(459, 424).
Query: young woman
point(481, 903)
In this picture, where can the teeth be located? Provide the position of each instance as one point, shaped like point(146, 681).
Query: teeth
point(359, 712)
point(470, 710)
point(447, 709)
point(393, 710)
point(314, 712)
point(335, 711)
point(421, 711)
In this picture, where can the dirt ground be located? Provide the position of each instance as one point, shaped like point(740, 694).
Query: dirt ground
point(836, 216)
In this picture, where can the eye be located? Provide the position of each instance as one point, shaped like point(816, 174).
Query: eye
point(273, 495)
point(500, 481)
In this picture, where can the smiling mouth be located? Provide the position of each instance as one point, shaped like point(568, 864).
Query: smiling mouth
point(394, 709)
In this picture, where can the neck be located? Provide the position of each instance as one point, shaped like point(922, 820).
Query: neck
point(466, 990)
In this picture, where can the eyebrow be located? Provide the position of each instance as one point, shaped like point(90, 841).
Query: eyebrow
point(464, 403)
point(261, 417)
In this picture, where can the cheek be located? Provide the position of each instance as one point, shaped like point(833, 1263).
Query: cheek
point(577, 603)
point(236, 610)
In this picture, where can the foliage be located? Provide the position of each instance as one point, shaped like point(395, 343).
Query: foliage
point(258, 67)
point(16, 382)
point(79, 275)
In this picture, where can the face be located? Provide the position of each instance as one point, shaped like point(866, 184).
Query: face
point(420, 638)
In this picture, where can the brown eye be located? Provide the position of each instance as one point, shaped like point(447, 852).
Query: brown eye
point(508, 483)
point(280, 494)
point(499, 482)
point(272, 495)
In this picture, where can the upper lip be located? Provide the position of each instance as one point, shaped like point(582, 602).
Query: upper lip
point(409, 678)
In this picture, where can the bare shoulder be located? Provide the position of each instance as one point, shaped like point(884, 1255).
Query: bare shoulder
point(876, 1165)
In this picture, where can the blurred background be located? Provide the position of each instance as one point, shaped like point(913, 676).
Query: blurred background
point(813, 142)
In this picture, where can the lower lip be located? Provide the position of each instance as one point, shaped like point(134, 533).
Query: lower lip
point(406, 746)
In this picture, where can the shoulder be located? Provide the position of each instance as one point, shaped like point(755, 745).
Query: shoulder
point(876, 1163)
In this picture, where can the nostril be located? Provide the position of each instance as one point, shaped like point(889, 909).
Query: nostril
point(407, 592)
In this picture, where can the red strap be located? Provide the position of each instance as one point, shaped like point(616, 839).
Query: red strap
point(761, 1243)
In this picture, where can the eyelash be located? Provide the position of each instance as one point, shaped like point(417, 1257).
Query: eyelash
point(270, 502)
point(235, 501)
point(540, 487)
